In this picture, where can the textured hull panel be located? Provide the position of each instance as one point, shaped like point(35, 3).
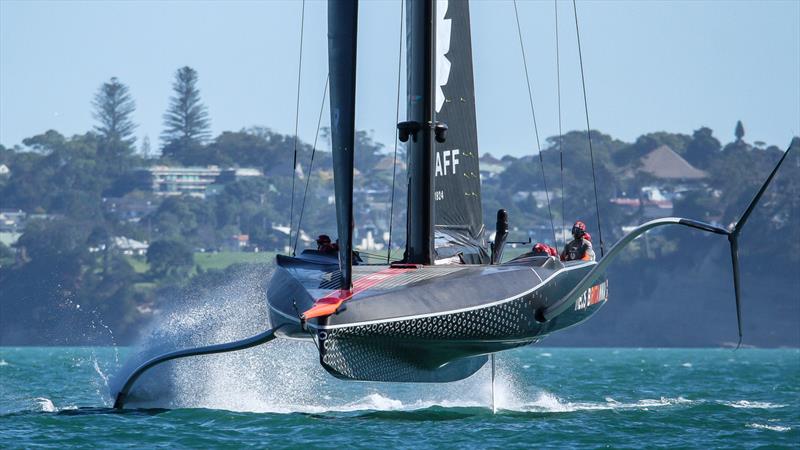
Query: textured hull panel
point(376, 360)
point(436, 347)
point(417, 350)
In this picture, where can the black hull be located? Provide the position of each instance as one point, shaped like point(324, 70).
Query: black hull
point(431, 324)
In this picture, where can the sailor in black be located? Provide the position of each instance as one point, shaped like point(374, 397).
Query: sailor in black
point(324, 244)
point(580, 248)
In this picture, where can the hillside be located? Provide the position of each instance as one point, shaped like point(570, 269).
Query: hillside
point(81, 230)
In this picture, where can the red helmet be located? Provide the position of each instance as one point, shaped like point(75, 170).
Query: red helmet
point(544, 249)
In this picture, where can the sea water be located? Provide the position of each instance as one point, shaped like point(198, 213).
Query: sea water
point(278, 396)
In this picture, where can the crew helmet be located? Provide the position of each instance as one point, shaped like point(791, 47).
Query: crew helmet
point(579, 229)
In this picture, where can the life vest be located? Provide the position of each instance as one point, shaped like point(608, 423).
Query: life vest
point(578, 249)
point(329, 248)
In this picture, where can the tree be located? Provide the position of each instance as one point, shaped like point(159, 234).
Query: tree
point(702, 148)
point(45, 143)
point(186, 122)
point(739, 131)
point(48, 241)
point(169, 258)
point(66, 176)
point(113, 108)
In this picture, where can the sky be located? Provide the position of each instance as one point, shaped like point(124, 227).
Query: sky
point(650, 66)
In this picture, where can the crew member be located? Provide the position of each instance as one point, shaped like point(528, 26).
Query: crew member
point(324, 244)
point(580, 248)
point(541, 249)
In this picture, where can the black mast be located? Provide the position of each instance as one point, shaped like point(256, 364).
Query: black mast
point(421, 17)
point(342, 32)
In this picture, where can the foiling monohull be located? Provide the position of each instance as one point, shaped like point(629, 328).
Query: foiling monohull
point(437, 314)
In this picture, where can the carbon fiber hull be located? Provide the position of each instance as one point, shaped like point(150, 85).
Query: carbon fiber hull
point(429, 324)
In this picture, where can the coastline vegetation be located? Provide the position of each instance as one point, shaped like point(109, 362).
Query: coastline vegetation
point(66, 254)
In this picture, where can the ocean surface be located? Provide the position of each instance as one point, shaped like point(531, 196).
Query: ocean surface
point(277, 396)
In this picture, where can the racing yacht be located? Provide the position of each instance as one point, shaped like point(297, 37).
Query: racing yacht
point(440, 312)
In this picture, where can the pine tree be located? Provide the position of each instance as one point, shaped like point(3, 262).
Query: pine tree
point(739, 131)
point(186, 121)
point(113, 108)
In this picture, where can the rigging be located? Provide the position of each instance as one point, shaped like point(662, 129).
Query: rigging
point(588, 130)
point(297, 116)
point(310, 165)
point(535, 126)
point(560, 132)
point(396, 121)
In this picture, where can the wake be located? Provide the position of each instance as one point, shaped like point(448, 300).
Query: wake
point(285, 376)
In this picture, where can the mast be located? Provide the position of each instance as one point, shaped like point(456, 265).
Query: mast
point(342, 39)
point(421, 45)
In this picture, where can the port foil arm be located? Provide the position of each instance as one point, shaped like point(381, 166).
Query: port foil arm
point(261, 338)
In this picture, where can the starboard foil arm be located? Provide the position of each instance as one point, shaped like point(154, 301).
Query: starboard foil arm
point(261, 338)
point(547, 313)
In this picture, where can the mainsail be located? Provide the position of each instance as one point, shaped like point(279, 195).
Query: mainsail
point(456, 194)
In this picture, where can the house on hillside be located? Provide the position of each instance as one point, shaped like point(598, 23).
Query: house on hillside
point(12, 219)
point(237, 174)
point(195, 181)
point(387, 164)
point(368, 242)
point(670, 173)
point(540, 197)
point(652, 203)
point(128, 246)
point(305, 240)
point(166, 180)
point(491, 167)
point(130, 208)
point(666, 165)
point(236, 243)
point(669, 176)
point(12, 223)
point(123, 245)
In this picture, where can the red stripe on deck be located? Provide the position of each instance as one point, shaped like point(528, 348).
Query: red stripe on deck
point(329, 304)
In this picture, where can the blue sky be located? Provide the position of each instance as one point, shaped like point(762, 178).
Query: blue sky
point(650, 66)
